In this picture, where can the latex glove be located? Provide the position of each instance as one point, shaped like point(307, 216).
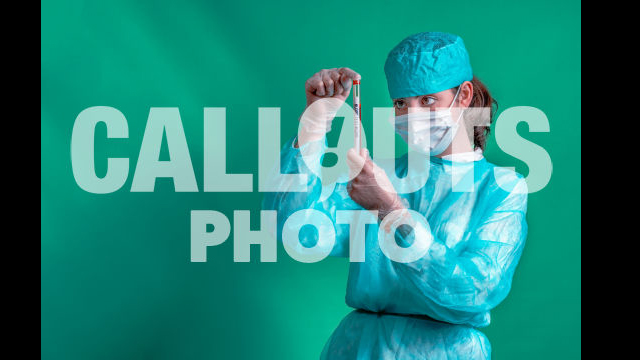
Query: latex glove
point(371, 188)
point(332, 86)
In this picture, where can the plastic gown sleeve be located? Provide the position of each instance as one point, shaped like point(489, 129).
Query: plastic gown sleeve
point(365, 336)
point(456, 284)
point(289, 202)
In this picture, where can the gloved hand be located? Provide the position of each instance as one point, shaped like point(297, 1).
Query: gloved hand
point(332, 86)
point(371, 188)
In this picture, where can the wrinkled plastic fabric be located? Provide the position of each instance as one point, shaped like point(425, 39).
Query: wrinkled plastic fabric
point(427, 63)
point(478, 238)
point(364, 336)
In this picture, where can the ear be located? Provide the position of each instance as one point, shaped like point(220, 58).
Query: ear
point(466, 94)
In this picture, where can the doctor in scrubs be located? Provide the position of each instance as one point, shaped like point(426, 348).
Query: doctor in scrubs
point(431, 305)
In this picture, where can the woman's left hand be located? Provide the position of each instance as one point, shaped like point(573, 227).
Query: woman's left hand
point(371, 188)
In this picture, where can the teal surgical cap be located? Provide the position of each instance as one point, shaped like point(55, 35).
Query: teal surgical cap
point(427, 63)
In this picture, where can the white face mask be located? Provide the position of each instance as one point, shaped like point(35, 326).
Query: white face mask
point(431, 131)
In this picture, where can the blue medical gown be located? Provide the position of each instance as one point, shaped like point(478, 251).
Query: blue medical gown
point(478, 238)
point(364, 335)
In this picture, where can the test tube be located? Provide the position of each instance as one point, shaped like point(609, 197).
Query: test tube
point(357, 141)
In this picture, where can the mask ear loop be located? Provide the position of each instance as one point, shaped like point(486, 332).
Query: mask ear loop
point(455, 97)
point(454, 101)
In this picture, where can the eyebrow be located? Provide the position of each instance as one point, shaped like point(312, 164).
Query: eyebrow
point(418, 96)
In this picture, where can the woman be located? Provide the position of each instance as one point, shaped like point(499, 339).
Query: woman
point(476, 236)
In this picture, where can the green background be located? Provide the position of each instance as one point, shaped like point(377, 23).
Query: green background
point(116, 277)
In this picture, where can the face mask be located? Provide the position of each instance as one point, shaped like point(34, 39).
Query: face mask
point(431, 131)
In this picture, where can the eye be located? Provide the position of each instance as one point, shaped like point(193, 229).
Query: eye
point(399, 104)
point(428, 101)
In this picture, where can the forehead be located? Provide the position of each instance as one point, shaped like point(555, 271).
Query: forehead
point(441, 94)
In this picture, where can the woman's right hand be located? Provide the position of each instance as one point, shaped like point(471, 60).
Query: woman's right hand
point(330, 83)
point(332, 86)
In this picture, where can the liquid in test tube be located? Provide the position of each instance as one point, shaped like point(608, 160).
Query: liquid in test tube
point(357, 141)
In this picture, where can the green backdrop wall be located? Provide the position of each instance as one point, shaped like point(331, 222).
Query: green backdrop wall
point(116, 277)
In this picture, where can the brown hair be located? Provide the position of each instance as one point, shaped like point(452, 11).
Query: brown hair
point(481, 99)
